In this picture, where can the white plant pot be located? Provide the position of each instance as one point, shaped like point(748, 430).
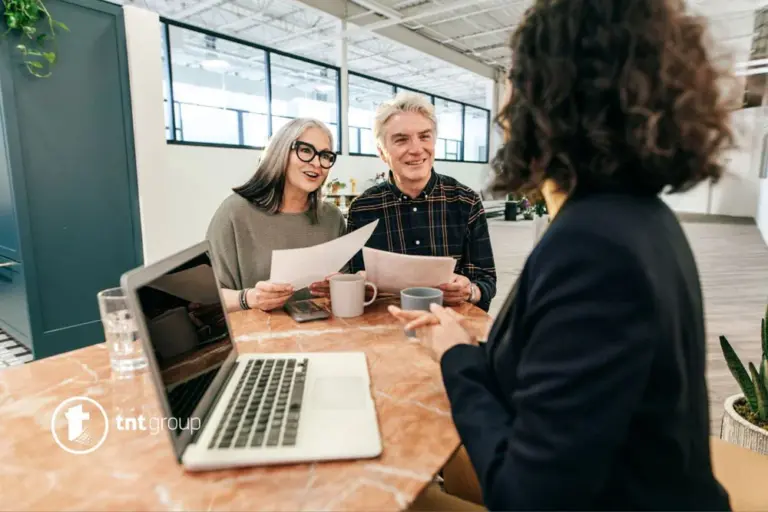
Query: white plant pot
point(738, 431)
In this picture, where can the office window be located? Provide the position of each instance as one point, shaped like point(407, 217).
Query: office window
point(209, 124)
point(166, 84)
point(218, 89)
point(455, 141)
point(449, 129)
point(367, 142)
point(215, 92)
point(255, 129)
point(476, 123)
point(354, 139)
point(304, 89)
point(365, 96)
point(400, 88)
point(452, 150)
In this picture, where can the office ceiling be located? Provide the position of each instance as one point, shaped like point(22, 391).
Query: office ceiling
point(469, 29)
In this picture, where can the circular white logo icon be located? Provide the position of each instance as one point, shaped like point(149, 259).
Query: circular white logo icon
point(79, 425)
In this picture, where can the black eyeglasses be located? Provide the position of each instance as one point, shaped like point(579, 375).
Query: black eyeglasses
point(306, 153)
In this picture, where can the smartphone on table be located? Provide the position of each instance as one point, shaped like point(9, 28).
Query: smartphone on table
point(306, 310)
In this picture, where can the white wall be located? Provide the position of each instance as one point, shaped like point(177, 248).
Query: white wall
point(736, 194)
point(197, 179)
point(694, 201)
point(180, 187)
point(762, 212)
point(149, 131)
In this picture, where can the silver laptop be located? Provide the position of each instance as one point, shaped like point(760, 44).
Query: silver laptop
point(242, 409)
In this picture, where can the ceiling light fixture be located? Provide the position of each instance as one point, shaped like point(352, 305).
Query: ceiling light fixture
point(215, 65)
point(751, 71)
point(758, 62)
point(214, 62)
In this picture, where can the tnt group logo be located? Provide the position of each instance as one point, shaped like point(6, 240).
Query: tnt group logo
point(79, 425)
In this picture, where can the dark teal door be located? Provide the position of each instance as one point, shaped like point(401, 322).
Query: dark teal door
point(80, 224)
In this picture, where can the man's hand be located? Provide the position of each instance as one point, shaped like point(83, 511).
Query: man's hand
point(322, 288)
point(456, 291)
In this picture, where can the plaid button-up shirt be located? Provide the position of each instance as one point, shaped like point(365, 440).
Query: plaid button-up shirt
point(446, 219)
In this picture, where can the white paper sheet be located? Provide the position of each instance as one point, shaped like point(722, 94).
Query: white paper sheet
point(302, 267)
point(392, 272)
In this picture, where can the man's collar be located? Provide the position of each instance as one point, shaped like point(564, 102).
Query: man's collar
point(424, 193)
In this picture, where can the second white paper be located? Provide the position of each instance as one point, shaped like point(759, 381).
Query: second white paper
point(302, 267)
point(392, 272)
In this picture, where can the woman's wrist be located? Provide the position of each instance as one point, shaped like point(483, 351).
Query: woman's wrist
point(243, 298)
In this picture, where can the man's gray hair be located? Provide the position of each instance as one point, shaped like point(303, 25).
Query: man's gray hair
point(403, 102)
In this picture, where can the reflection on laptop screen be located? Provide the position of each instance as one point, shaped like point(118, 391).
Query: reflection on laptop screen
point(188, 331)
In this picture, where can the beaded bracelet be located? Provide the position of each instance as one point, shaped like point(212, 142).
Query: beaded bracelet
point(244, 300)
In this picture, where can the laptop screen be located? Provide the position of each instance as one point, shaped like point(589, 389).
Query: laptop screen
point(188, 331)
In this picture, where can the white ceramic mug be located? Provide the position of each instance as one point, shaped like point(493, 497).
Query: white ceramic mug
point(348, 295)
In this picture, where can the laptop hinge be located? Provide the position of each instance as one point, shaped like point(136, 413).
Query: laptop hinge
point(215, 401)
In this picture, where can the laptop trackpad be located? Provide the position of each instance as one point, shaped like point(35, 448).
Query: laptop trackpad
point(338, 393)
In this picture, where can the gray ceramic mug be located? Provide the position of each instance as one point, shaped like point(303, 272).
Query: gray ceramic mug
point(419, 299)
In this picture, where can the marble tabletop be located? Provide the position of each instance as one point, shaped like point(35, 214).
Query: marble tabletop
point(137, 469)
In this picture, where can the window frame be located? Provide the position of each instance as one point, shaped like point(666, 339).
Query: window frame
point(168, 72)
point(175, 124)
point(487, 134)
point(358, 128)
point(433, 97)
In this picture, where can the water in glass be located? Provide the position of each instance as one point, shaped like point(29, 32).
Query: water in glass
point(125, 352)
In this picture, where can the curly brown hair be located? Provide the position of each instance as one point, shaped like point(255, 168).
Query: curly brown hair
point(618, 95)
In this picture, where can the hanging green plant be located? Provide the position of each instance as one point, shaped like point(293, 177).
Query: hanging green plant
point(23, 17)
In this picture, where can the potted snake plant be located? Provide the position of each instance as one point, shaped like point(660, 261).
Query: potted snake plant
point(745, 420)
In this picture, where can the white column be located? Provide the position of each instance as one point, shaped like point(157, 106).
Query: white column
point(145, 72)
point(494, 96)
point(344, 76)
point(762, 209)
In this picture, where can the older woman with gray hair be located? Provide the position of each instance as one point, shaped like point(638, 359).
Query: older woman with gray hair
point(280, 207)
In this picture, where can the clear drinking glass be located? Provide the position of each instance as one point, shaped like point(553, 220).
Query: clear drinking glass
point(126, 355)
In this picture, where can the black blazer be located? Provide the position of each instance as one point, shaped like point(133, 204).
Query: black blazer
point(590, 392)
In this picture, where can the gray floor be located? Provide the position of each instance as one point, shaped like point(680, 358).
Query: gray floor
point(12, 352)
point(733, 263)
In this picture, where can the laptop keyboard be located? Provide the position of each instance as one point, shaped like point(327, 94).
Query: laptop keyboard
point(265, 407)
point(184, 397)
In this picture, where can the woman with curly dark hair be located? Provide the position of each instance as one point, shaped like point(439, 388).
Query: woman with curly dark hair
point(590, 392)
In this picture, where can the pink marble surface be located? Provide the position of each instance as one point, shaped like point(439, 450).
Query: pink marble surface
point(137, 470)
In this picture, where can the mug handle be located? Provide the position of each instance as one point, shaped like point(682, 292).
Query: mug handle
point(375, 293)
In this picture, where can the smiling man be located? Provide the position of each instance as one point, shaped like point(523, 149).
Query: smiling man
point(422, 212)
